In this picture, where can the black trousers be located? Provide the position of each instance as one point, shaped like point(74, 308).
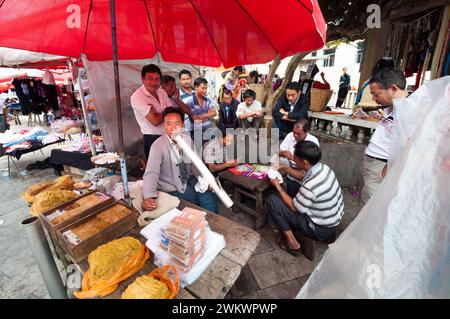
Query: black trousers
point(148, 141)
point(342, 94)
point(284, 219)
point(292, 187)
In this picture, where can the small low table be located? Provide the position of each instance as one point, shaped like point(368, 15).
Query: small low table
point(252, 188)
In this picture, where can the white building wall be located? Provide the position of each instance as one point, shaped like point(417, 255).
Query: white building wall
point(345, 56)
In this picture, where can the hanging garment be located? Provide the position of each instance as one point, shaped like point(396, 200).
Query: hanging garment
point(25, 88)
point(52, 96)
point(23, 100)
point(48, 78)
point(41, 90)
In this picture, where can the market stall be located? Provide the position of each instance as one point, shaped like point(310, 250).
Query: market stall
point(207, 252)
point(200, 46)
point(15, 144)
point(221, 273)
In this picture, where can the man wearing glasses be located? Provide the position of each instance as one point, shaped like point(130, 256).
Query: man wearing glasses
point(386, 86)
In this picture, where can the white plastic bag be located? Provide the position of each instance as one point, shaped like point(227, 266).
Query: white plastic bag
point(399, 245)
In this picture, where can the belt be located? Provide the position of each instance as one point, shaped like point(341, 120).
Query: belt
point(378, 159)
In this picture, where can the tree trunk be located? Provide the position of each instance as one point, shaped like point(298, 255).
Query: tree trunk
point(268, 85)
point(290, 70)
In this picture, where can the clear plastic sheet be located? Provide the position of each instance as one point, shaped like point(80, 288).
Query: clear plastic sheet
point(101, 83)
point(399, 244)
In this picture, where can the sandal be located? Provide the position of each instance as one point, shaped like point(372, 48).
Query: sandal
point(284, 246)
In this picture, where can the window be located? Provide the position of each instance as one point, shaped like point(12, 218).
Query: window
point(314, 54)
point(359, 53)
point(328, 57)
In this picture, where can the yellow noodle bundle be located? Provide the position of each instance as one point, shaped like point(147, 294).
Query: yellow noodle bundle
point(49, 199)
point(61, 183)
point(145, 287)
point(110, 264)
point(161, 283)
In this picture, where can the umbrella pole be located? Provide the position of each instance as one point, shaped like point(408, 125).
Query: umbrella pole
point(85, 114)
point(123, 166)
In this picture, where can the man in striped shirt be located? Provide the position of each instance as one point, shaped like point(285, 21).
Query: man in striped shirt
point(318, 206)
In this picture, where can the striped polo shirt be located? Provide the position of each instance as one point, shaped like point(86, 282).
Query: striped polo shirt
point(320, 197)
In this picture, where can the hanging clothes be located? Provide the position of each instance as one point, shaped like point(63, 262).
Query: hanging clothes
point(23, 100)
point(25, 88)
point(52, 96)
point(48, 78)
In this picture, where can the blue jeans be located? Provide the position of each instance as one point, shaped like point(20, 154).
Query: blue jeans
point(206, 200)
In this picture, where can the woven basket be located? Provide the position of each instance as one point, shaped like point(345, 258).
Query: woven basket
point(319, 99)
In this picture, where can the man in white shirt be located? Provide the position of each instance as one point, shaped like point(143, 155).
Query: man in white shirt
point(249, 112)
point(385, 86)
point(299, 133)
point(148, 103)
point(315, 211)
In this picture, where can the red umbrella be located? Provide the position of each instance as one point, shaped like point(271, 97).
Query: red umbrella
point(200, 32)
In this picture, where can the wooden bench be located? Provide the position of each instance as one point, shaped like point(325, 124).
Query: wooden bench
point(307, 244)
point(253, 189)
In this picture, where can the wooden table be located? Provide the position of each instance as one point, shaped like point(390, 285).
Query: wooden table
point(252, 188)
point(221, 274)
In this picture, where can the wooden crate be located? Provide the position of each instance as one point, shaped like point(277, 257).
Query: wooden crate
point(80, 251)
point(51, 228)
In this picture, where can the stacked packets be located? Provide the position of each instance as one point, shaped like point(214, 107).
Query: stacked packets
point(184, 238)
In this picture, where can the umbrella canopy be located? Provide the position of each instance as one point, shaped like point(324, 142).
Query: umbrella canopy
point(28, 59)
point(199, 32)
point(5, 85)
point(7, 75)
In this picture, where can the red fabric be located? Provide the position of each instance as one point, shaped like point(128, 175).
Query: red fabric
point(4, 87)
point(320, 85)
point(198, 32)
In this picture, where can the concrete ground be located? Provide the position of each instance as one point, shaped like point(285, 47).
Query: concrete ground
point(270, 273)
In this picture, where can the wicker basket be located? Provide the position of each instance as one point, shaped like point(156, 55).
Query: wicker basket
point(319, 99)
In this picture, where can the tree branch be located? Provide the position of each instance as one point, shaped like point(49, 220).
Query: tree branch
point(268, 84)
point(289, 74)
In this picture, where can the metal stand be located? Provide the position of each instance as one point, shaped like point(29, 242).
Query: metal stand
point(15, 165)
point(85, 114)
point(44, 257)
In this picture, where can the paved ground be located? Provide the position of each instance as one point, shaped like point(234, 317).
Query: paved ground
point(270, 273)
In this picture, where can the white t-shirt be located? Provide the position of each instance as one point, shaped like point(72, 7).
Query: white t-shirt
point(141, 102)
point(379, 143)
point(243, 109)
point(289, 143)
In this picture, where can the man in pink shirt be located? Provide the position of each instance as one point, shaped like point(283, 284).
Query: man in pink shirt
point(148, 103)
